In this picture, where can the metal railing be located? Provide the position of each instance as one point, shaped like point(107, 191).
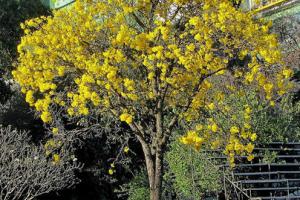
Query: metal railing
point(238, 190)
point(263, 5)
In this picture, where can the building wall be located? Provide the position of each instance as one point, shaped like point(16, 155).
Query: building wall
point(55, 4)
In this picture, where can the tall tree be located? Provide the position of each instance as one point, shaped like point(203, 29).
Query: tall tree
point(153, 65)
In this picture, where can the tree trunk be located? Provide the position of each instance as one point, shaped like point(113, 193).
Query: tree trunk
point(155, 194)
point(158, 176)
point(154, 163)
point(155, 175)
point(154, 166)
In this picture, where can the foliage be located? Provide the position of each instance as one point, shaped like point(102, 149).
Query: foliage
point(269, 122)
point(287, 29)
point(138, 187)
point(269, 157)
point(194, 175)
point(279, 123)
point(152, 65)
point(26, 173)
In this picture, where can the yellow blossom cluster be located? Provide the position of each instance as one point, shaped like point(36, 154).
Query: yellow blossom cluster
point(125, 117)
point(56, 159)
point(51, 145)
point(126, 149)
point(192, 138)
point(112, 170)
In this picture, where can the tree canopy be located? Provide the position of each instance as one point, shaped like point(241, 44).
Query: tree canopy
point(153, 65)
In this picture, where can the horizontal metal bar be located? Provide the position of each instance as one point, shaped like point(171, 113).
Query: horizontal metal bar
point(274, 189)
point(278, 197)
point(270, 5)
point(276, 149)
point(265, 173)
point(264, 164)
point(268, 181)
point(259, 156)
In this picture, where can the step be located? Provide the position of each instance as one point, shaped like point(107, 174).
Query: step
point(276, 149)
point(282, 148)
point(264, 164)
point(265, 173)
point(268, 181)
point(273, 189)
point(284, 143)
point(276, 197)
point(258, 156)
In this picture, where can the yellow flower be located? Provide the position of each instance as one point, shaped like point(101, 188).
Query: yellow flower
point(250, 157)
point(248, 110)
point(111, 171)
point(234, 130)
point(244, 135)
point(55, 131)
point(126, 149)
point(125, 117)
point(287, 73)
point(253, 137)
point(56, 158)
point(194, 21)
point(238, 147)
point(184, 140)
point(211, 106)
point(129, 84)
point(268, 87)
point(128, 9)
point(249, 147)
point(29, 97)
point(214, 127)
point(111, 75)
point(190, 47)
point(70, 112)
point(192, 138)
point(46, 117)
point(247, 126)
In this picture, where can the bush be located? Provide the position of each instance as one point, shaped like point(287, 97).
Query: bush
point(26, 172)
point(279, 123)
point(194, 176)
point(137, 188)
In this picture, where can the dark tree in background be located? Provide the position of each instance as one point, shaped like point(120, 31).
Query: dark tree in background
point(12, 13)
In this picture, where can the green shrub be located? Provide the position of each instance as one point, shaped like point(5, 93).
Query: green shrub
point(279, 123)
point(137, 188)
point(194, 176)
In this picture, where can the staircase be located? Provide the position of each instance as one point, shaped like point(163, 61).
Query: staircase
point(277, 177)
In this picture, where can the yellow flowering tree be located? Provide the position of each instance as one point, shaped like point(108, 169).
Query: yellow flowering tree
point(154, 65)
